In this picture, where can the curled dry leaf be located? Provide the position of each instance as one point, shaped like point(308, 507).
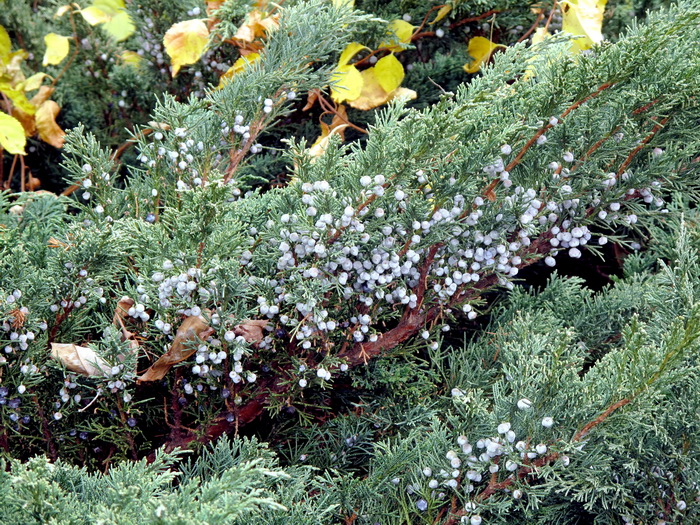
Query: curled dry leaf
point(191, 328)
point(120, 312)
point(79, 359)
point(257, 25)
point(337, 127)
point(252, 331)
point(158, 125)
point(45, 119)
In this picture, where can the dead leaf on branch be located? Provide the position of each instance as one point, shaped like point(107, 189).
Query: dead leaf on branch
point(45, 119)
point(337, 127)
point(257, 26)
point(251, 331)
point(196, 327)
point(191, 328)
point(79, 359)
point(120, 313)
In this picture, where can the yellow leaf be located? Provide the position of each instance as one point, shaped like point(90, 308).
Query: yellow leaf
point(94, 15)
point(33, 82)
point(337, 127)
point(401, 31)
point(12, 137)
point(185, 42)
point(62, 11)
point(238, 66)
point(346, 83)
point(350, 51)
point(389, 72)
point(583, 18)
point(338, 3)
point(18, 98)
point(442, 13)
point(111, 7)
point(46, 125)
point(131, 58)
point(372, 95)
point(480, 50)
point(113, 14)
point(120, 27)
point(5, 44)
point(57, 49)
point(256, 26)
point(540, 35)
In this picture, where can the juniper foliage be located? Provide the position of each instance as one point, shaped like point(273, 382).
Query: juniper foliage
point(343, 286)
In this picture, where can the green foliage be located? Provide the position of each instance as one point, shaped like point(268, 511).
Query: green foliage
point(365, 303)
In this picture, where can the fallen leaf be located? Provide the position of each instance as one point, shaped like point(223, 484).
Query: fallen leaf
point(5, 44)
point(79, 359)
point(239, 65)
point(442, 13)
point(191, 328)
point(311, 99)
point(49, 131)
point(256, 26)
point(373, 94)
point(346, 83)
point(18, 98)
point(350, 51)
point(336, 127)
point(62, 11)
point(185, 42)
point(402, 32)
point(120, 26)
point(131, 58)
point(252, 331)
point(26, 120)
point(12, 138)
point(94, 15)
point(34, 82)
point(33, 184)
point(57, 48)
point(121, 311)
point(540, 35)
point(389, 72)
point(213, 5)
point(480, 50)
point(583, 18)
point(113, 16)
point(42, 96)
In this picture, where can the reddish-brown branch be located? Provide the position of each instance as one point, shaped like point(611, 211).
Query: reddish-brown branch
point(238, 155)
point(494, 486)
point(45, 430)
point(602, 417)
point(551, 15)
point(333, 110)
point(539, 18)
point(641, 145)
point(474, 18)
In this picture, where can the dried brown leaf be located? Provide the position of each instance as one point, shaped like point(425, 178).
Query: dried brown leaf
point(252, 331)
point(191, 328)
point(79, 359)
